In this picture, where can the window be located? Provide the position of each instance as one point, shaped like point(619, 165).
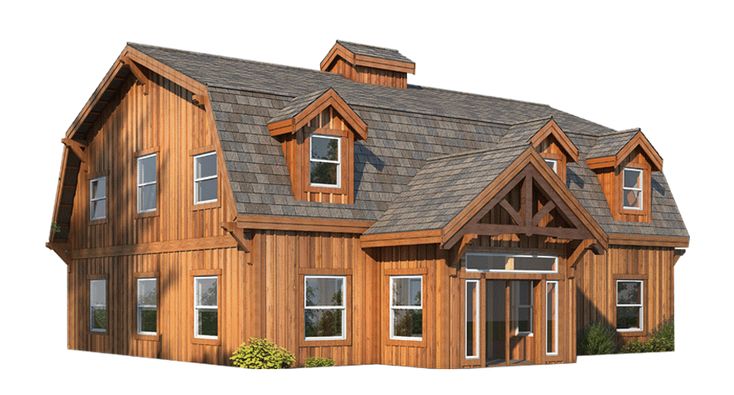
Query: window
point(205, 178)
point(98, 198)
point(632, 189)
point(553, 164)
point(147, 183)
point(491, 262)
point(325, 161)
point(471, 319)
point(98, 305)
point(629, 305)
point(147, 306)
point(325, 307)
point(406, 307)
point(551, 317)
point(206, 317)
point(522, 308)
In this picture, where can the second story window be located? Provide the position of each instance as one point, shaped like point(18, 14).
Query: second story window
point(98, 198)
point(147, 183)
point(325, 161)
point(205, 178)
point(632, 189)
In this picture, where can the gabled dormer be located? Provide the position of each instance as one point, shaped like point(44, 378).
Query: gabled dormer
point(317, 132)
point(624, 163)
point(549, 140)
point(368, 64)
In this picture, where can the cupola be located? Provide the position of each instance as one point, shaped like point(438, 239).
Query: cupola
point(368, 64)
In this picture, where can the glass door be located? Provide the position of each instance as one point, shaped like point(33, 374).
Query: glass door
point(509, 321)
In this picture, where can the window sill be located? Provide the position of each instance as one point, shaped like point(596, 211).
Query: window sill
point(406, 343)
point(147, 214)
point(631, 333)
point(98, 333)
point(325, 343)
point(100, 221)
point(206, 206)
point(149, 338)
point(206, 342)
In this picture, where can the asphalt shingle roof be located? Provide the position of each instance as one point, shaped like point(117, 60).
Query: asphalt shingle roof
point(377, 52)
point(406, 126)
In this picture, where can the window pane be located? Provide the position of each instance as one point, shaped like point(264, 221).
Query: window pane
point(552, 164)
point(98, 292)
point(406, 292)
point(148, 197)
point(522, 319)
point(99, 209)
point(472, 304)
point(534, 263)
point(99, 318)
point(207, 320)
point(551, 304)
point(206, 190)
point(206, 166)
point(323, 323)
point(99, 188)
point(146, 170)
point(324, 292)
point(486, 262)
point(147, 293)
point(628, 292)
point(632, 178)
point(522, 291)
point(323, 173)
point(628, 317)
point(148, 320)
point(324, 148)
point(407, 323)
point(632, 198)
point(206, 291)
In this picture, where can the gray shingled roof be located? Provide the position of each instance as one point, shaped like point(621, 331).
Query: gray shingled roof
point(296, 105)
point(611, 143)
point(377, 52)
point(407, 127)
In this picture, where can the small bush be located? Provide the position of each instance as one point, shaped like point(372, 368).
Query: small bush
point(261, 354)
point(634, 346)
point(316, 362)
point(598, 338)
point(663, 339)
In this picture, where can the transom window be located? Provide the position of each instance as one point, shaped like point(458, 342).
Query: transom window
point(553, 164)
point(632, 188)
point(205, 178)
point(98, 198)
point(406, 307)
point(629, 305)
point(206, 314)
point(522, 308)
point(147, 183)
point(98, 305)
point(325, 160)
point(147, 317)
point(325, 309)
point(494, 262)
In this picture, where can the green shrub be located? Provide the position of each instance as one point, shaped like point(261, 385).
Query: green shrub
point(634, 346)
point(261, 354)
point(316, 362)
point(663, 339)
point(598, 338)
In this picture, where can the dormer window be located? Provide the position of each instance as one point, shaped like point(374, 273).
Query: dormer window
point(325, 157)
point(553, 164)
point(632, 188)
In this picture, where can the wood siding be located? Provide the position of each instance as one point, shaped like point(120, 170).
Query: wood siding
point(611, 180)
point(370, 75)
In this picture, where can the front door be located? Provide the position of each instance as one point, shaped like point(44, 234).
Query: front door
point(509, 321)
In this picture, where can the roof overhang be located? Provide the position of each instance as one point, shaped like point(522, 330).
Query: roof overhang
point(339, 51)
point(637, 141)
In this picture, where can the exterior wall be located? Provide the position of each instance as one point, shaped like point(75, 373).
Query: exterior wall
point(370, 75)
point(610, 180)
point(596, 293)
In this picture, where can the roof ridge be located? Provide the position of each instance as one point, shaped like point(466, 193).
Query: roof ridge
point(548, 118)
point(477, 151)
point(367, 45)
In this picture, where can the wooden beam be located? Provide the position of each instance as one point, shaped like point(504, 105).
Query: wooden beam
point(511, 210)
point(305, 224)
point(139, 75)
point(206, 243)
point(76, 147)
point(545, 210)
point(400, 238)
point(649, 240)
point(561, 233)
point(526, 200)
point(201, 100)
point(239, 236)
point(61, 249)
point(458, 252)
point(677, 253)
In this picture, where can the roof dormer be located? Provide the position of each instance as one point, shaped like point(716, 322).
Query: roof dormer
point(368, 64)
point(317, 132)
point(548, 139)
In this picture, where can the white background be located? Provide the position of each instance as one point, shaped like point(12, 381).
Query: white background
point(665, 67)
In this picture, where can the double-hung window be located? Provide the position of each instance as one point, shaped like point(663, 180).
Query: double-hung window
point(205, 178)
point(630, 309)
point(325, 307)
point(147, 308)
point(325, 161)
point(98, 198)
point(632, 188)
point(406, 307)
point(98, 305)
point(147, 183)
point(206, 311)
point(522, 308)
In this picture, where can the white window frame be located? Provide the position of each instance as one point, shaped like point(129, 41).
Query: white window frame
point(516, 310)
point(555, 319)
point(93, 306)
point(140, 307)
point(92, 199)
point(337, 162)
point(640, 189)
point(477, 327)
point(555, 164)
point(343, 307)
point(393, 308)
point(209, 308)
point(197, 180)
point(641, 305)
point(555, 265)
point(144, 184)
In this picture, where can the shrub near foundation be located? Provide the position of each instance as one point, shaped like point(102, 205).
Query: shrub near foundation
point(663, 339)
point(598, 338)
point(261, 354)
point(316, 362)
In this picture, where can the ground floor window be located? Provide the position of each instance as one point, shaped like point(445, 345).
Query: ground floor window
point(406, 307)
point(98, 305)
point(551, 317)
point(206, 309)
point(630, 309)
point(471, 319)
point(325, 307)
point(147, 306)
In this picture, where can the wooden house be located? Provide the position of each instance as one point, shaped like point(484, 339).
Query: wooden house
point(344, 213)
